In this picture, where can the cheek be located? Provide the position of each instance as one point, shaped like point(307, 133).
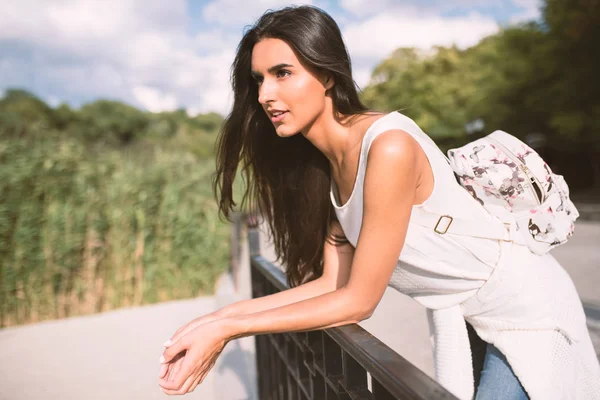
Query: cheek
point(306, 96)
point(306, 87)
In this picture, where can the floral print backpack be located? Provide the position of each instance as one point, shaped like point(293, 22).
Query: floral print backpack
point(507, 177)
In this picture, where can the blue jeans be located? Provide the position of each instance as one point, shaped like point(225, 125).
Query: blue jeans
point(498, 381)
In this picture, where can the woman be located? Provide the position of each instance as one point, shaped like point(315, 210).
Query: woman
point(340, 187)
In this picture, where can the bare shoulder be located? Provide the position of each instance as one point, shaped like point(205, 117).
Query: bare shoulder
point(394, 146)
point(391, 178)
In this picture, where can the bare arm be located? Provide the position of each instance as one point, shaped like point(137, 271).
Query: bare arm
point(388, 200)
point(336, 270)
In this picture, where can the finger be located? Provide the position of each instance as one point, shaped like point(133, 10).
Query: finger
point(172, 340)
point(184, 372)
point(181, 329)
point(187, 384)
point(170, 352)
point(184, 330)
point(163, 370)
point(187, 328)
point(184, 387)
point(171, 372)
point(203, 375)
point(176, 368)
point(179, 334)
point(173, 365)
point(196, 382)
point(200, 378)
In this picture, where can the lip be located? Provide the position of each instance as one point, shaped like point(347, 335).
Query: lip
point(278, 118)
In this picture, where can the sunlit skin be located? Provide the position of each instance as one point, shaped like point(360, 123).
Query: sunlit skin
point(398, 176)
point(302, 92)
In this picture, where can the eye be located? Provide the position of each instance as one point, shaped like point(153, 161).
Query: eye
point(283, 72)
point(258, 79)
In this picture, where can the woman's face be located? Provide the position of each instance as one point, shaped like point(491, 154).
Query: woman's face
point(292, 96)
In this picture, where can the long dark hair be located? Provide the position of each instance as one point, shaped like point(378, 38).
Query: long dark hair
point(287, 179)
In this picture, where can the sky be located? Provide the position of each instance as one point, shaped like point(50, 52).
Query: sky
point(162, 55)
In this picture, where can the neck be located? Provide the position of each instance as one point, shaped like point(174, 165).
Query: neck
point(329, 135)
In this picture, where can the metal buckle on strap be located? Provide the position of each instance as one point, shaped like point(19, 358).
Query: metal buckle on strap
point(447, 226)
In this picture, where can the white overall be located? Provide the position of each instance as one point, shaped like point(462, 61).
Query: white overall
point(523, 304)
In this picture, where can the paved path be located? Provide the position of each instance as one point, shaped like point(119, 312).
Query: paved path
point(114, 356)
point(110, 356)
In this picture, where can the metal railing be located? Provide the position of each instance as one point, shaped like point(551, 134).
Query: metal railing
point(343, 363)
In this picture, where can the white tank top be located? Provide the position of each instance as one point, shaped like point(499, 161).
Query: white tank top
point(464, 263)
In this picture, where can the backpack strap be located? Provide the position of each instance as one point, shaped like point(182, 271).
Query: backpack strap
point(442, 224)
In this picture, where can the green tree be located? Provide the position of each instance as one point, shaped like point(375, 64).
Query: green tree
point(111, 121)
point(21, 112)
point(434, 88)
point(162, 125)
point(65, 116)
point(209, 123)
point(574, 28)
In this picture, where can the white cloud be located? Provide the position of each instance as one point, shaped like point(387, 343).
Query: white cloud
point(362, 75)
point(89, 28)
point(216, 98)
point(432, 7)
point(53, 101)
point(215, 40)
point(154, 100)
point(365, 7)
point(377, 37)
point(531, 10)
point(235, 12)
point(135, 50)
point(98, 78)
point(88, 19)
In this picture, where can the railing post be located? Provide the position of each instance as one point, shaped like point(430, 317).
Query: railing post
point(235, 248)
point(253, 235)
point(240, 256)
point(233, 287)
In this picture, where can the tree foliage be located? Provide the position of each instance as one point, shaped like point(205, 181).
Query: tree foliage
point(573, 29)
point(21, 111)
point(111, 120)
point(533, 78)
point(108, 122)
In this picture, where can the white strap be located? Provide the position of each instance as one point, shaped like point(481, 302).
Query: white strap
point(443, 224)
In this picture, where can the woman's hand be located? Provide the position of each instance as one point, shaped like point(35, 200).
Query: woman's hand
point(192, 356)
point(169, 370)
point(193, 324)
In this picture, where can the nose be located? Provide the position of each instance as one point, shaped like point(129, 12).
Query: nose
point(266, 92)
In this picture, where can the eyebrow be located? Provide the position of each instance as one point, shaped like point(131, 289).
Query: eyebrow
point(271, 70)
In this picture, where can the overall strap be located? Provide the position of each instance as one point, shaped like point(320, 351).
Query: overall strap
point(442, 224)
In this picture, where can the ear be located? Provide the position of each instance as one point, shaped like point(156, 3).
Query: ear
point(328, 82)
